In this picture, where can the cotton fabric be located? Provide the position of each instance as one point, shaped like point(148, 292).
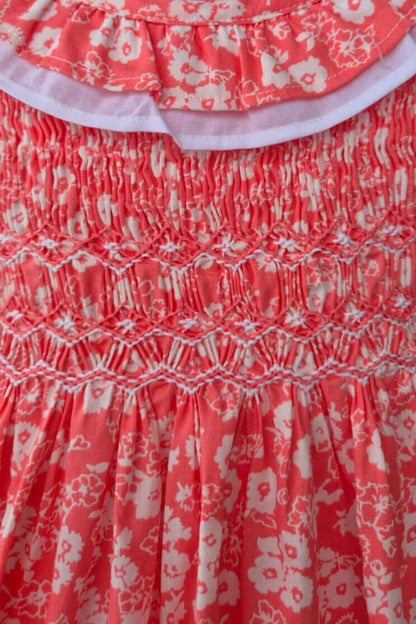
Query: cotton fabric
point(71, 100)
point(204, 55)
point(207, 389)
point(208, 356)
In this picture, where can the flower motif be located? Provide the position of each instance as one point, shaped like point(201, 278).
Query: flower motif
point(187, 67)
point(266, 614)
point(348, 47)
point(26, 436)
point(69, 546)
point(11, 34)
point(228, 585)
point(33, 599)
point(262, 491)
point(127, 46)
point(93, 68)
point(43, 43)
point(85, 490)
point(124, 572)
point(61, 576)
point(174, 567)
point(297, 591)
point(272, 73)
point(295, 551)
point(310, 74)
point(354, 10)
point(267, 573)
point(342, 589)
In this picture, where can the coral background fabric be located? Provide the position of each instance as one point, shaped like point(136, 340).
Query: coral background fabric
point(204, 55)
point(77, 102)
point(207, 387)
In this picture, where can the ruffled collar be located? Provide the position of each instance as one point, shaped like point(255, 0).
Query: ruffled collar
point(216, 56)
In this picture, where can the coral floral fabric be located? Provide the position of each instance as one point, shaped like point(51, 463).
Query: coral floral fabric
point(204, 55)
point(207, 389)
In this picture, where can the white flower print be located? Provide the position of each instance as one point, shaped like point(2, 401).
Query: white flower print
point(114, 4)
point(223, 453)
point(8, 521)
point(210, 535)
point(69, 546)
point(354, 10)
point(124, 572)
point(61, 576)
point(348, 48)
point(206, 587)
point(409, 541)
point(262, 491)
point(267, 574)
point(188, 495)
point(266, 614)
point(346, 456)
point(25, 436)
point(342, 589)
point(230, 490)
point(405, 431)
point(11, 34)
point(302, 458)
point(272, 73)
point(97, 396)
point(295, 551)
point(143, 490)
point(221, 38)
point(188, 67)
point(320, 434)
point(374, 593)
point(17, 218)
point(392, 607)
point(192, 451)
point(283, 418)
point(63, 179)
point(380, 570)
point(33, 599)
point(375, 452)
point(203, 9)
point(174, 567)
point(107, 208)
point(127, 46)
point(310, 74)
point(85, 490)
point(43, 43)
point(174, 529)
point(91, 69)
point(40, 10)
point(77, 227)
point(229, 591)
point(297, 592)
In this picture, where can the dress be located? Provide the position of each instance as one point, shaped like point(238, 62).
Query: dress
point(207, 355)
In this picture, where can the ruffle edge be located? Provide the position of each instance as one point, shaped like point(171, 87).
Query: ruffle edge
point(82, 104)
point(306, 52)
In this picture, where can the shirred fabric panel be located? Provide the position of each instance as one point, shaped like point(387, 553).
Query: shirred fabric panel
point(207, 386)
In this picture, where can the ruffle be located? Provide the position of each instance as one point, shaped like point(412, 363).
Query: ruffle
point(203, 60)
point(82, 104)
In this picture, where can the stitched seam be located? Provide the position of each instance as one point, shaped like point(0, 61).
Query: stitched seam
point(301, 5)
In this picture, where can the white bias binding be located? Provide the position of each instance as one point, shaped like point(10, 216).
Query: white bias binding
point(79, 103)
